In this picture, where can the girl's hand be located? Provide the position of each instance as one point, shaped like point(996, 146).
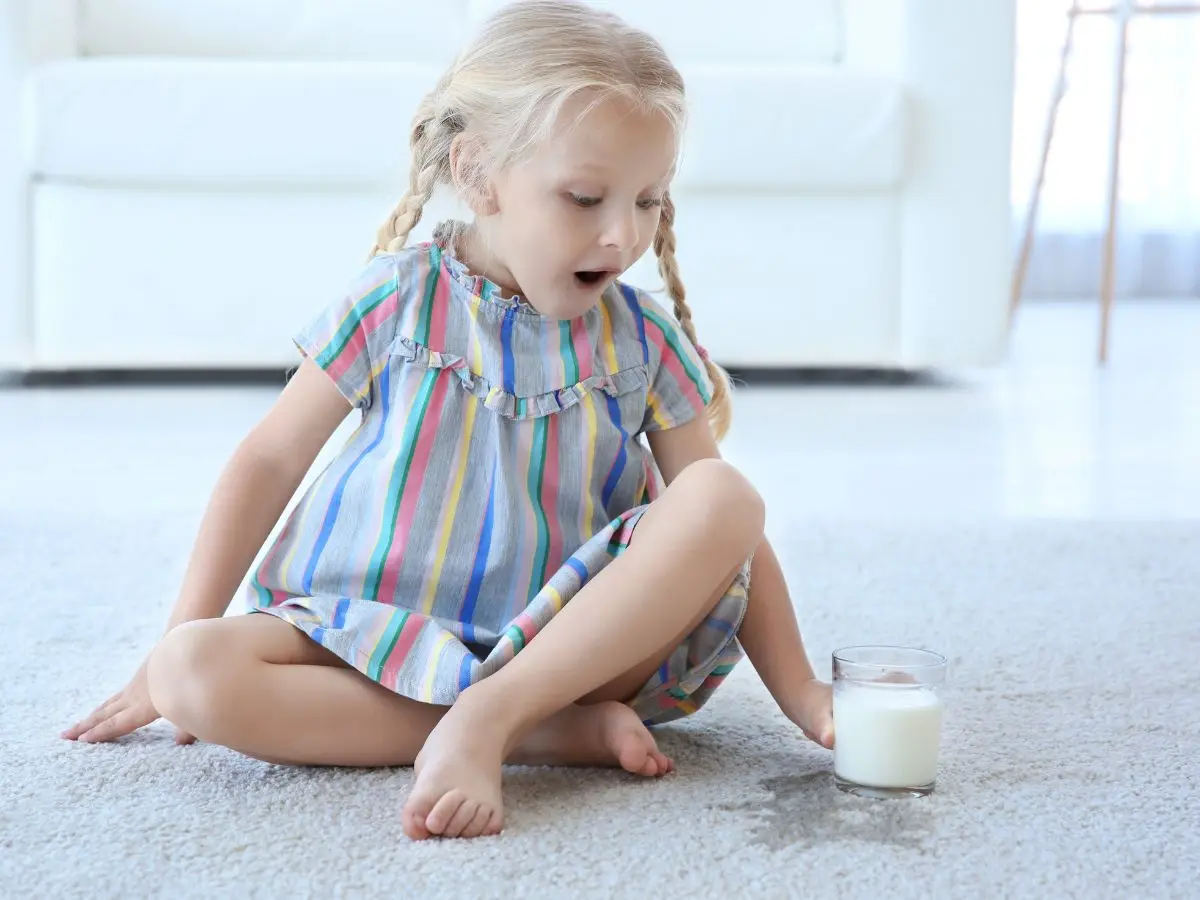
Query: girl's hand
point(811, 707)
point(122, 713)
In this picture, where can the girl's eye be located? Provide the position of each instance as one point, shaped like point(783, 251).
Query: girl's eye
point(649, 202)
point(585, 202)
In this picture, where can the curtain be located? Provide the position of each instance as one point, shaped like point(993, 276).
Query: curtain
point(1158, 237)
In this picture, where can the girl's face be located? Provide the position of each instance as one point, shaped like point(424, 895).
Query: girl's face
point(582, 209)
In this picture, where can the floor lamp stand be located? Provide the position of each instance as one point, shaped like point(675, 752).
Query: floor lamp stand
point(1124, 11)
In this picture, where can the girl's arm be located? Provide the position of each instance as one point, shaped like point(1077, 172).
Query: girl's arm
point(770, 633)
point(254, 488)
point(249, 497)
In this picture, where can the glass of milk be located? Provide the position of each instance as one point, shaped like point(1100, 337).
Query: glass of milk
point(887, 720)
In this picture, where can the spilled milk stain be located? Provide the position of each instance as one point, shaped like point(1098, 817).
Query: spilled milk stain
point(807, 810)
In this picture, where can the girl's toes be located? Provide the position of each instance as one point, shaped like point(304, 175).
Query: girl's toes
point(444, 811)
point(495, 823)
point(478, 825)
point(414, 826)
point(462, 819)
point(416, 811)
point(633, 757)
point(660, 764)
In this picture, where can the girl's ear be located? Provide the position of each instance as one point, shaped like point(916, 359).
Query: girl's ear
point(470, 176)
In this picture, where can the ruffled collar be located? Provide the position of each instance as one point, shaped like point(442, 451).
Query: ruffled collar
point(446, 236)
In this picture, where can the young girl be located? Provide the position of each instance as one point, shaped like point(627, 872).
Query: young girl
point(530, 549)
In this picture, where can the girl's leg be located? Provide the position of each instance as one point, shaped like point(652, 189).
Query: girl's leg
point(259, 685)
point(602, 645)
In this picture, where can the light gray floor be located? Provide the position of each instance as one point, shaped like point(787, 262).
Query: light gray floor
point(1070, 765)
point(1049, 435)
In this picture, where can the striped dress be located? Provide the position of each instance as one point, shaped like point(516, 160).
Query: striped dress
point(498, 465)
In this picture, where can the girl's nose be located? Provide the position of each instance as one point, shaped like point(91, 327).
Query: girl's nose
point(621, 231)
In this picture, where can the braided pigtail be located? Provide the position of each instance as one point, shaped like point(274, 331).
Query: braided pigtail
point(720, 410)
point(430, 142)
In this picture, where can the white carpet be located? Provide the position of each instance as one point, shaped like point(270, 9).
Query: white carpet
point(1070, 766)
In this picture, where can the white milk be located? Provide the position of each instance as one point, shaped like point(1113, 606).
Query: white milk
point(886, 735)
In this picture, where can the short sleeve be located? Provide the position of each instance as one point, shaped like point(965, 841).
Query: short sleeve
point(680, 388)
point(350, 338)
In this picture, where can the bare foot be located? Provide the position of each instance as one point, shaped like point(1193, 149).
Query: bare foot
point(599, 734)
point(457, 788)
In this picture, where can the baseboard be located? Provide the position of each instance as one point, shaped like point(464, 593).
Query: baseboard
point(836, 377)
point(253, 377)
point(152, 377)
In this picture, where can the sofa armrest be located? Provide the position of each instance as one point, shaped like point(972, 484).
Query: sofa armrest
point(955, 59)
point(31, 32)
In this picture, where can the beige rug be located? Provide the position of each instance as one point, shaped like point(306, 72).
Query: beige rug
point(1070, 769)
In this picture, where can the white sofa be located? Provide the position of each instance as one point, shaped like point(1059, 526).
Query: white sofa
point(182, 184)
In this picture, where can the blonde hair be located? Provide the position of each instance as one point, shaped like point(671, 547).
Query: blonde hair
point(504, 93)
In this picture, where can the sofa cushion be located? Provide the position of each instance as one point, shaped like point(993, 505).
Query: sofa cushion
point(363, 30)
point(799, 128)
point(384, 30)
point(235, 122)
point(258, 123)
point(717, 31)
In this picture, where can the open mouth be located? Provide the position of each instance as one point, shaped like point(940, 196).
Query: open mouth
point(591, 277)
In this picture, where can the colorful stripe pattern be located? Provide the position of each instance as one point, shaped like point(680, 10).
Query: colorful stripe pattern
point(497, 467)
